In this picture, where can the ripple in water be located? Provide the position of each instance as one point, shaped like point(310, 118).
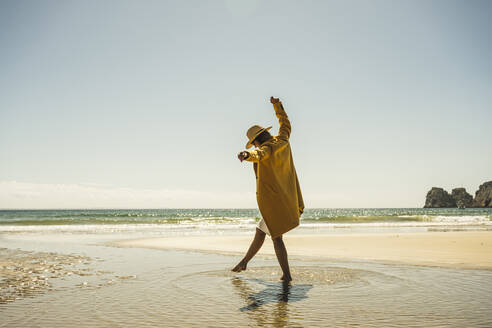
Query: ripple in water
point(301, 274)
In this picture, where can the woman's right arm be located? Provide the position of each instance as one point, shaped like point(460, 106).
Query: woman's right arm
point(283, 119)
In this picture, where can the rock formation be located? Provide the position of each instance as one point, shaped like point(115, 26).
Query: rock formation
point(438, 197)
point(483, 196)
point(462, 198)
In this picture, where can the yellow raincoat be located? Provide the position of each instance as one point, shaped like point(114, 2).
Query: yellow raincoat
point(277, 188)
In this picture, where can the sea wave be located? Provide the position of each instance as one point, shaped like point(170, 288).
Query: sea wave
point(235, 224)
point(168, 219)
point(112, 221)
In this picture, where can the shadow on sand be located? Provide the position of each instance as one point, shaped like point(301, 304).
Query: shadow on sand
point(275, 292)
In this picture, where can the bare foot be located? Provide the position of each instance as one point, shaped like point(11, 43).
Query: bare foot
point(240, 267)
point(285, 278)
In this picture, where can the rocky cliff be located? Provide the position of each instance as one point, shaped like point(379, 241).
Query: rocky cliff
point(462, 198)
point(438, 197)
point(483, 196)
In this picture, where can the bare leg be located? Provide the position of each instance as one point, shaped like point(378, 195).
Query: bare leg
point(281, 253)
point(253, 249)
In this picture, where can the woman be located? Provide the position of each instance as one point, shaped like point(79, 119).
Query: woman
point(277, 188)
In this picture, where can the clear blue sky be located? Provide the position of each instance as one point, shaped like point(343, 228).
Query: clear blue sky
point(146, 103)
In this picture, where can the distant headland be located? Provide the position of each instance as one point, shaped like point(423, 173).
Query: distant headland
point(438, 197)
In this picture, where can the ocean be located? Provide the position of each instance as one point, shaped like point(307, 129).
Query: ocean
point(206, 221)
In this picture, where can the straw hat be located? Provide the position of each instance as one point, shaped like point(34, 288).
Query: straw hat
point(253, 132)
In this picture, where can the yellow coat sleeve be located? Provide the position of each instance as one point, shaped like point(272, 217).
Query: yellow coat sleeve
point(283, 119)
point(259, 154)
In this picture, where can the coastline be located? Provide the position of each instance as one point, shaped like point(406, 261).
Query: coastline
point(463, 250)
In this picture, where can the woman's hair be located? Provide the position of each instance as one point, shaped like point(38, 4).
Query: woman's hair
point(262, 137)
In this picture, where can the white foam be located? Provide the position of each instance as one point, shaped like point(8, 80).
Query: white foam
point(242, 225)
point(110, 228)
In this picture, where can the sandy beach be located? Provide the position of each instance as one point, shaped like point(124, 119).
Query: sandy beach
point(471, 250)
point(340, 279)
point(151, 268)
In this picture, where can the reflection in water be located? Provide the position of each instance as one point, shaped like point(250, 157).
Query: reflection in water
point(277, 293)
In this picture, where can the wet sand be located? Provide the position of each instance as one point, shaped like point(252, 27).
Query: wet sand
point(26, 273)
point(464, 249)
point(78, 281)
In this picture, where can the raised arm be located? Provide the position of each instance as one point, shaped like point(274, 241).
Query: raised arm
point(283, 119)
